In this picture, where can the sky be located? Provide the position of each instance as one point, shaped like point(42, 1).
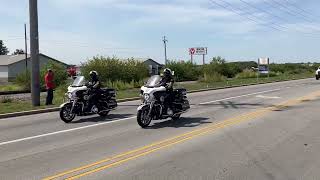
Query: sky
point(76, 30)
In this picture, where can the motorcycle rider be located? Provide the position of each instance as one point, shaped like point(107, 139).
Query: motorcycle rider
point(168, 81)
point(94, 87)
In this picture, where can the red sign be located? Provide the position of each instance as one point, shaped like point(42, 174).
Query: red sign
point(192, 51)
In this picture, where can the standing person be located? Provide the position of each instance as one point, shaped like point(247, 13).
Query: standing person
point(49, 78)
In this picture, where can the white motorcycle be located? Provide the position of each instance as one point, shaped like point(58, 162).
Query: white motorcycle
point(154, 105)
point(77, 103)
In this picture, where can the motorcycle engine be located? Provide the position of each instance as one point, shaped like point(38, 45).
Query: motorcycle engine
point(86, 97)
point(162, 99)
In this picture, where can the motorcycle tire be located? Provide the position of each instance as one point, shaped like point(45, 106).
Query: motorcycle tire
point(62, 115)
point(104, 113)
point(176, 117)
point(140, 118)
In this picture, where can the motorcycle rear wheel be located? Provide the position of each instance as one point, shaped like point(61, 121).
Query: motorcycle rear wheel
point(176, 117)
point(104, 113)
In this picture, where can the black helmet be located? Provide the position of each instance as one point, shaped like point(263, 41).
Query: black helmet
point(167, 72)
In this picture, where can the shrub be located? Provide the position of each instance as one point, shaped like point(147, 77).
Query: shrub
point(60, 76)
point(246, 74)
point(214, 77)
point(112, 70)
point(59, 71)
point(24, 80)
point(184, 71)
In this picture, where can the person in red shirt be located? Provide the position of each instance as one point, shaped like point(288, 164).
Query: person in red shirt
point(49, 80)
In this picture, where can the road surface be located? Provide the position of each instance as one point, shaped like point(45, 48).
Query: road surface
point(269, 131)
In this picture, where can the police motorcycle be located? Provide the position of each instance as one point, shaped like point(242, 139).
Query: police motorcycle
point(153, 102)
point(77, 101)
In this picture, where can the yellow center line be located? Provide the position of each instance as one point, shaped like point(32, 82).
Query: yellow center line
point(136, 150)
point(178, 139)
point(159, 148)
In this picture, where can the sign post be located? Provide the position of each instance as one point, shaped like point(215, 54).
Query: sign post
point(198, 51)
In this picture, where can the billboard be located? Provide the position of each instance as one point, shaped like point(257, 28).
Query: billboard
point(263, 61)
point(198, 51)
point(263, 65)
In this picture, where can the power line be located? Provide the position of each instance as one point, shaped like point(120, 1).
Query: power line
point(260, 9)
point(299, 9)
point(288, 10)
point(275, 16)
point(247, 17)
point(273, 25)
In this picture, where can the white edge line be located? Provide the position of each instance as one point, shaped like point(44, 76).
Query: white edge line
point(63, 131)
point(245, 95)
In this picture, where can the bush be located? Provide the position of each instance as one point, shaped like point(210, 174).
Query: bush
point(59, 71)
point(60, 76)
point(184, 71)
point(251, 74)
point(113, 70)
point(220, 66)
point(293, 68)
point(246, 74)
point(24, 80)
point(214, 77)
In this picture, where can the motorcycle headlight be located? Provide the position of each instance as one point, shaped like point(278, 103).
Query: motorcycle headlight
point(146, 97)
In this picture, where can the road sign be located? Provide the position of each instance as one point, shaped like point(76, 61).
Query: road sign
point(192, 51)
point(263, 69)
point(198, 51)
point(263, 61)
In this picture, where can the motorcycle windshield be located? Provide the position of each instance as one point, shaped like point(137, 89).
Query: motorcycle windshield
point(79, 81)
point(153, 81)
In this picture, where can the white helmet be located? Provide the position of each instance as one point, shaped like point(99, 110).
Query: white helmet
point(93, 73)
point(167, 72)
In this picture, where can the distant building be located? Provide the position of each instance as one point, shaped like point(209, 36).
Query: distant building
point(12, 65)
point(154, 66)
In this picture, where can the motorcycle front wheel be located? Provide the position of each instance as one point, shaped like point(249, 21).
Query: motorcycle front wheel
point(143, 119)
point(65, 113)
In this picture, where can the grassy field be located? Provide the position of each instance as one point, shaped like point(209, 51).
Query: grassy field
point(8, 106)
point(10, 87)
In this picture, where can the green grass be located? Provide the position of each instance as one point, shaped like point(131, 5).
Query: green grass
point(15, 106)
point(10, 87)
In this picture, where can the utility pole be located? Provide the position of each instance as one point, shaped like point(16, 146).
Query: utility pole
point(165, 49)
point(26, 48)
point(34, 49)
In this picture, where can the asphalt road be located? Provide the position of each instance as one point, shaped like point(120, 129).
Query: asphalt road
point(269, 131)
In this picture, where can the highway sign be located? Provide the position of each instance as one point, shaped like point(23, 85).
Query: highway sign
point(198, 51)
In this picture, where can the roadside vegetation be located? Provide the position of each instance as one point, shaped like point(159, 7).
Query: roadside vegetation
point(127, 76)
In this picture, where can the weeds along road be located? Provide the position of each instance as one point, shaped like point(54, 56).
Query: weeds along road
point(268, 131)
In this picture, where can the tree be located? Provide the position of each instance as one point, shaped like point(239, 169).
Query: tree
point(3, 49)
point(218, 60)
point(18, 51)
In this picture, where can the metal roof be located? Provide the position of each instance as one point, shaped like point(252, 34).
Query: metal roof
point(6, 60)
